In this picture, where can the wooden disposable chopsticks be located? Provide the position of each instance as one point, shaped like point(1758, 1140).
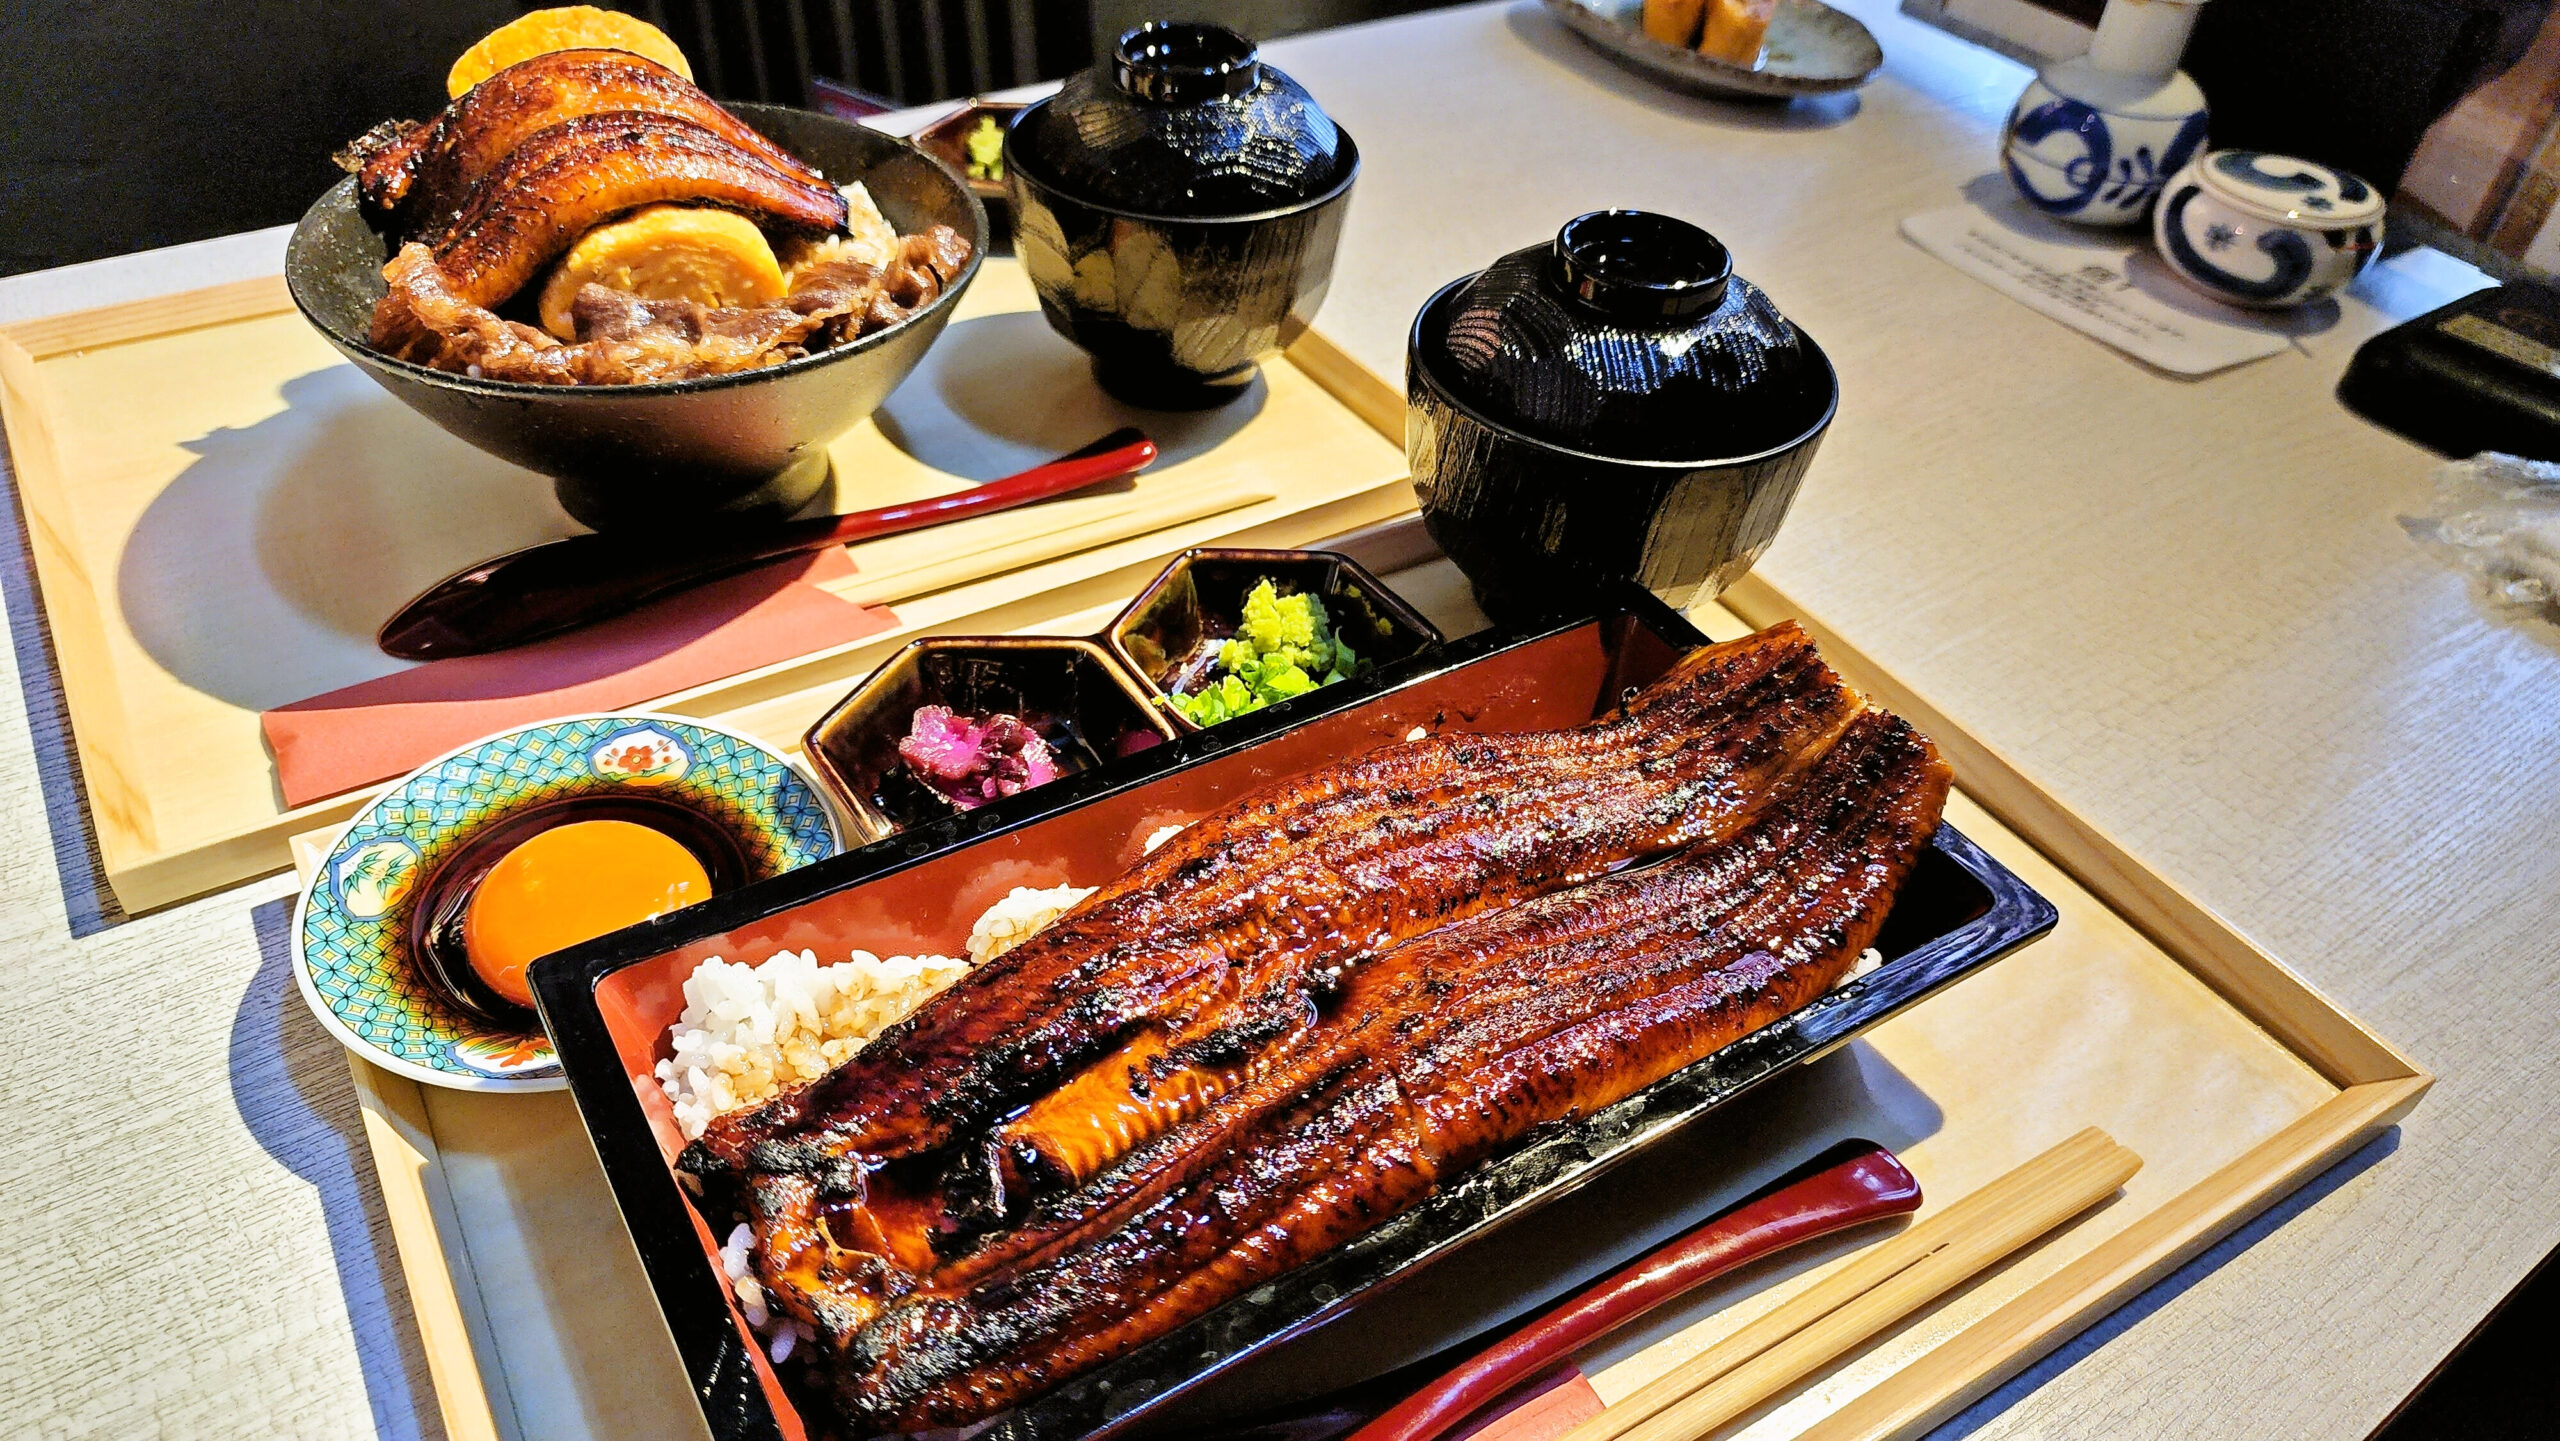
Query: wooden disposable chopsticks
point(1876, 1289)
point(1013, 542)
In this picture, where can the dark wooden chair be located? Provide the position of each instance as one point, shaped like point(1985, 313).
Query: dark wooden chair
point(914, 51)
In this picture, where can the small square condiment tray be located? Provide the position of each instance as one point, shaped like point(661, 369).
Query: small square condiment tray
point(2141, 1013)
point(222, 511)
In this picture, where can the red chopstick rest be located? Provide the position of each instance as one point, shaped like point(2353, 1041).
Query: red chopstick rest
point(1852, 1183)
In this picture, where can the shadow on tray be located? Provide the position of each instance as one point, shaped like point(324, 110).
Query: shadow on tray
point(289, 1081)
point(260, 574)
point(1002, 393)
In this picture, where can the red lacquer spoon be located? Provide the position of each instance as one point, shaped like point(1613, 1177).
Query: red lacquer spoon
point(543, 590)
point(1854, 1182)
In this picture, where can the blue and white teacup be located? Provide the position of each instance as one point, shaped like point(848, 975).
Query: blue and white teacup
point(2098, 154)
point(2267, 230)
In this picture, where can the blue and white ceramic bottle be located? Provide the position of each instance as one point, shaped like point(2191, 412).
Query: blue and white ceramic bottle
point(2095, 137)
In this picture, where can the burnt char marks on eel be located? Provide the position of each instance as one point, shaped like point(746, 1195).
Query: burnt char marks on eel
point(1437, 1055)
point(1231, 923)
point(1305, 1014)
point(419, 173)
point(571, 177)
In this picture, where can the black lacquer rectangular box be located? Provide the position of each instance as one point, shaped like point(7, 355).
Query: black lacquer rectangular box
point(608, 1004)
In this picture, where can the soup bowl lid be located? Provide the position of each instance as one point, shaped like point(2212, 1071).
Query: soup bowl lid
point(2287, 190)
point(1629, 335)
point(1182, 119)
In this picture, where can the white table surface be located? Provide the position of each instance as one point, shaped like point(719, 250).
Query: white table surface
point(2183, 606)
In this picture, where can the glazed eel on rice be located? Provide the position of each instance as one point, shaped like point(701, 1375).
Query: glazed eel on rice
point(1304, 1013)
point(489, 195)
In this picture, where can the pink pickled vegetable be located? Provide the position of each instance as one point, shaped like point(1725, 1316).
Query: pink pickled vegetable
point(975, 759)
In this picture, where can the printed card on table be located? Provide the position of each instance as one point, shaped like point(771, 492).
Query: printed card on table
point(2088, 280)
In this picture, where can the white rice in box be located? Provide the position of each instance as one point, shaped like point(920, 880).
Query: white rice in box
point(1011, 921)
point(749, 1031)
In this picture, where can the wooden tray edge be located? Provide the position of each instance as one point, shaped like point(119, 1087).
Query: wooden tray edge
point(421, 1213)
point(408, 1165)
point(50, 335)
point(73, 625)
point(1977, 1360)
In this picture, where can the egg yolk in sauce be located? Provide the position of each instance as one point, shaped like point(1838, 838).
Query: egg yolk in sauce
point(569, 884)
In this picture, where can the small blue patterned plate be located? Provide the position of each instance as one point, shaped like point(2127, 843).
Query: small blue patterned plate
point(352, 929)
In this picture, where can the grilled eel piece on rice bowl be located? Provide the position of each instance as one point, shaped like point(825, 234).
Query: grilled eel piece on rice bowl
point(1302, 1015)
point(589, 217)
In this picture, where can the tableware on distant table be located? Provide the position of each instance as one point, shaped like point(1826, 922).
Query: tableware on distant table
point(1811, 49)
point(670, 454)
point(1177, 209)
point(1615, 405)
point(2267, 230)
point(545, 589)
point(364, 957)
point(1848, 1185)
point(1168, 637)
point(1069, 692)
point(952, 140)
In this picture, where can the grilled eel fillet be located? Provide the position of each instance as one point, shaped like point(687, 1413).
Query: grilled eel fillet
point(420, 172)
point(1438, 1055)
point(567, 179)
point(1204, 962)
point(1219, 939)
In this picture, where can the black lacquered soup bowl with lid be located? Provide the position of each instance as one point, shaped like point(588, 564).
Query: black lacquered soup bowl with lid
point(1177, 210)
point(1615, 406)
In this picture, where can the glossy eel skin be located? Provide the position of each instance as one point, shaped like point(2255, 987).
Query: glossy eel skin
point(1182, 980)
point(1433, 1057)
point(420, 172)
point(1216, 942)
point(569, 178)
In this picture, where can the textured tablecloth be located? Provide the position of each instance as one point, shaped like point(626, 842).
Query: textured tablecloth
point(2182, 606)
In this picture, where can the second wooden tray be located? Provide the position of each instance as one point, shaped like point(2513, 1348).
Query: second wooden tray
point(2141, 1013)
point(222, 511)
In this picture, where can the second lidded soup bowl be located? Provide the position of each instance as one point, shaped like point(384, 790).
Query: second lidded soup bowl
point(1615, 405)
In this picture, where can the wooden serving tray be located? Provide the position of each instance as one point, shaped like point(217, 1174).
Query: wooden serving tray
point(2142, 1013)
point(222, 511)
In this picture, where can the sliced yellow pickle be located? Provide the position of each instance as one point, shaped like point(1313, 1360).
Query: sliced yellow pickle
point(567, 27)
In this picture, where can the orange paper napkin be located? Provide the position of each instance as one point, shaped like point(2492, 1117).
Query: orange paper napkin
point(1542, 1408)
point(389, 726)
